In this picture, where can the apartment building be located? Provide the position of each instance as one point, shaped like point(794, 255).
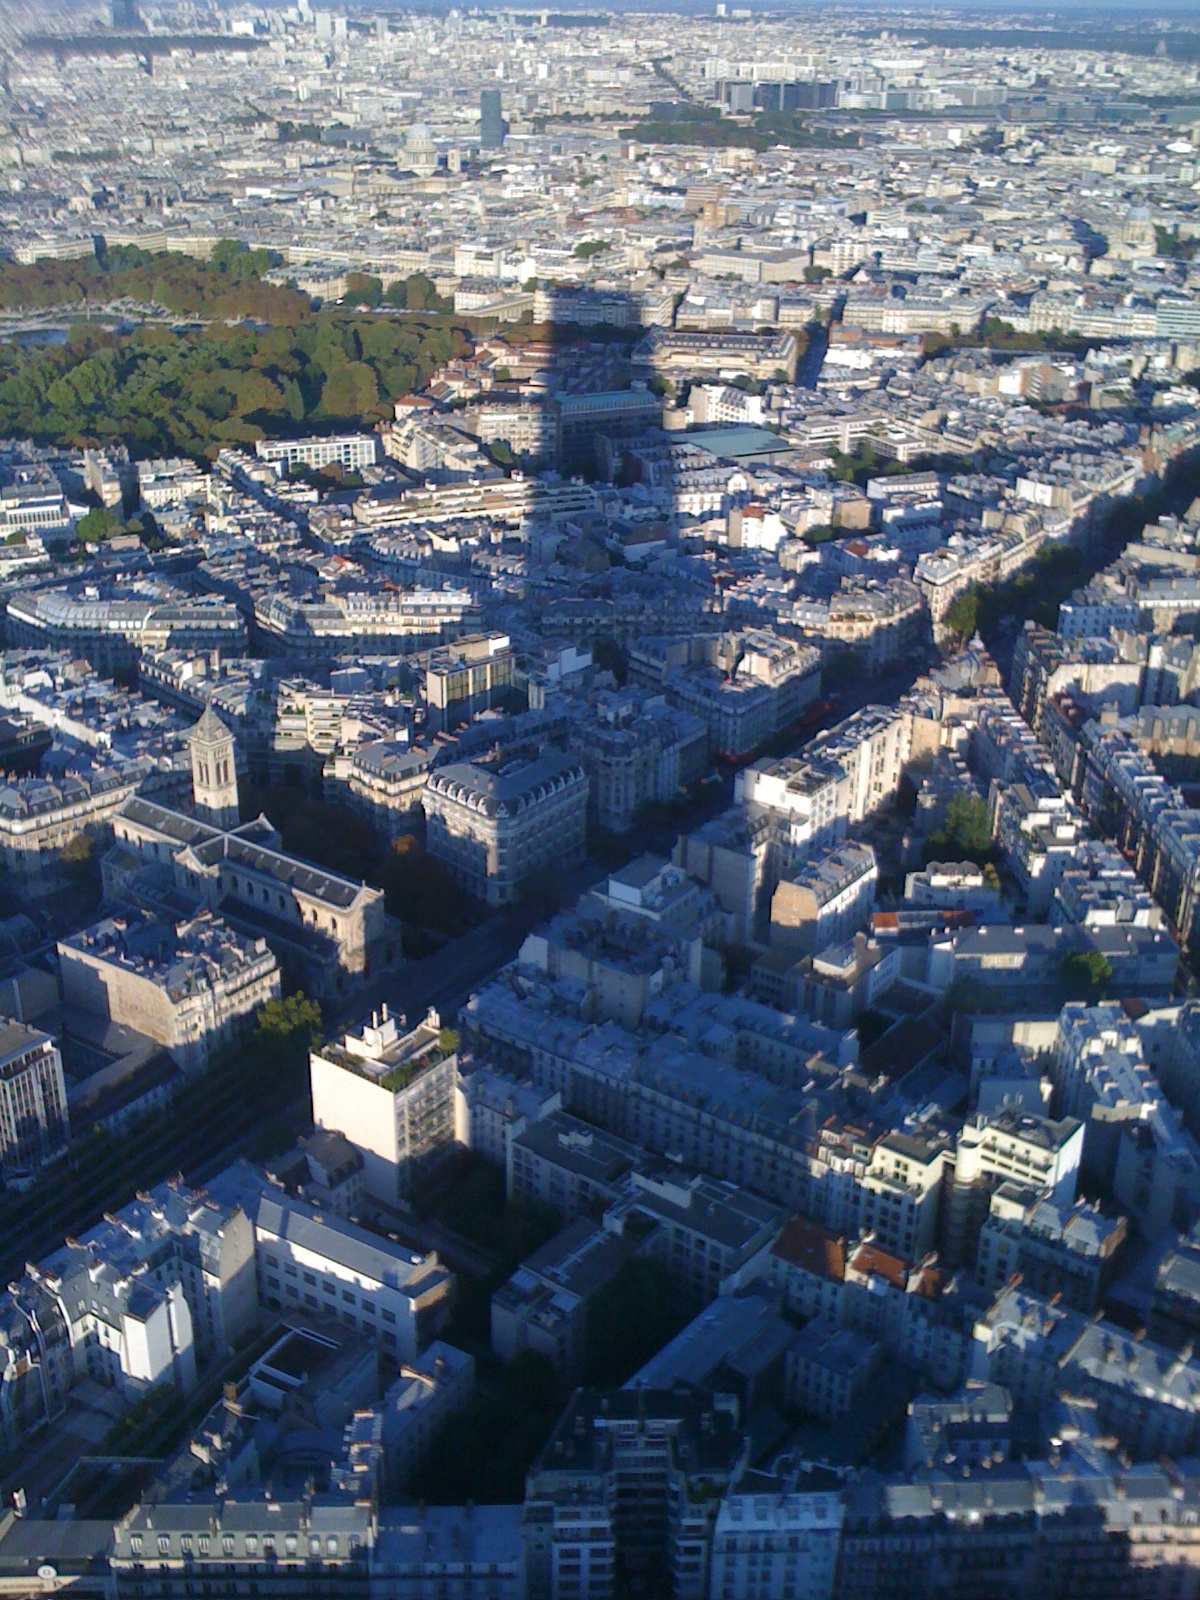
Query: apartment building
point(707, 1235)
point(382, 621)
point(953, 886)
point(494, 1108)
point(829, 1368)
point(874, 622)
point(670, 353)
point(131, 1304)
point(745, 686)
point(1072, 1251)
point(1134, 1145)
point(391, 1093)
point(826, 900)
point(159, 1551)
point(36, 507)
point(323, 1168)
point(528, 427)
point(190, 985)
point(631, 1478)
point(383, 781)
point(1024, 965)
point(635, 749)
point(111, 624)
point(1038, 1349)
point(35, 1123)
point(496, 824)
point(467, 677)
point(544, 1305)
point(844, 775)
point(39, 817)
point(949, 1533)
point(567, 1163)
point(430, 1388)
point(898, 1195)
point(173, 482)
point(778, 1537)
point(464, 1550)
point(1039, 835)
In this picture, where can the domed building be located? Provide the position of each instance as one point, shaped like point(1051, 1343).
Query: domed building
point(420, 153)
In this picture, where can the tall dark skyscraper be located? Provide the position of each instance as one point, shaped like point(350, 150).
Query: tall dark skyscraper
point(491, 120)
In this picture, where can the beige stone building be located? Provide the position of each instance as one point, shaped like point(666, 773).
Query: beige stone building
point(189, 986)
point(383, 781)
point(39, 817)
point(494, 825)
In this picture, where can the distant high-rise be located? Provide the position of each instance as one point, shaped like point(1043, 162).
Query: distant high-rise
point(491, 120)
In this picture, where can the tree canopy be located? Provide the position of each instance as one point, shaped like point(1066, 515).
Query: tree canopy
point(170, 391)
point(266, 364)
point(284, 1033)
point(229, 284)
point(962, 614)
point(965, 834)
point(1085, 975)
point(417, 292)
point(97, 525)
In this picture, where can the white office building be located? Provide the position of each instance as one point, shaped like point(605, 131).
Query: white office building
point(323, 1266)
point(351, 451)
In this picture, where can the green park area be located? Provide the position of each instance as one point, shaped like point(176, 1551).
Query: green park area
point(248, 359)
point(707, 127)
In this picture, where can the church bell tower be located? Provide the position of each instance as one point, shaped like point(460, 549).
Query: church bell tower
point(214, 775)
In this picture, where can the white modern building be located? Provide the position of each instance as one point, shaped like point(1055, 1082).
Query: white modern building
point(324, 1266)
point(953, 886)
point(351, 451)
point(392, 1095)
point(1012, 1145)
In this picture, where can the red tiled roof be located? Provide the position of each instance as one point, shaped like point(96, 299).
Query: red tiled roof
point(814, 1249)
point(876, 1263)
